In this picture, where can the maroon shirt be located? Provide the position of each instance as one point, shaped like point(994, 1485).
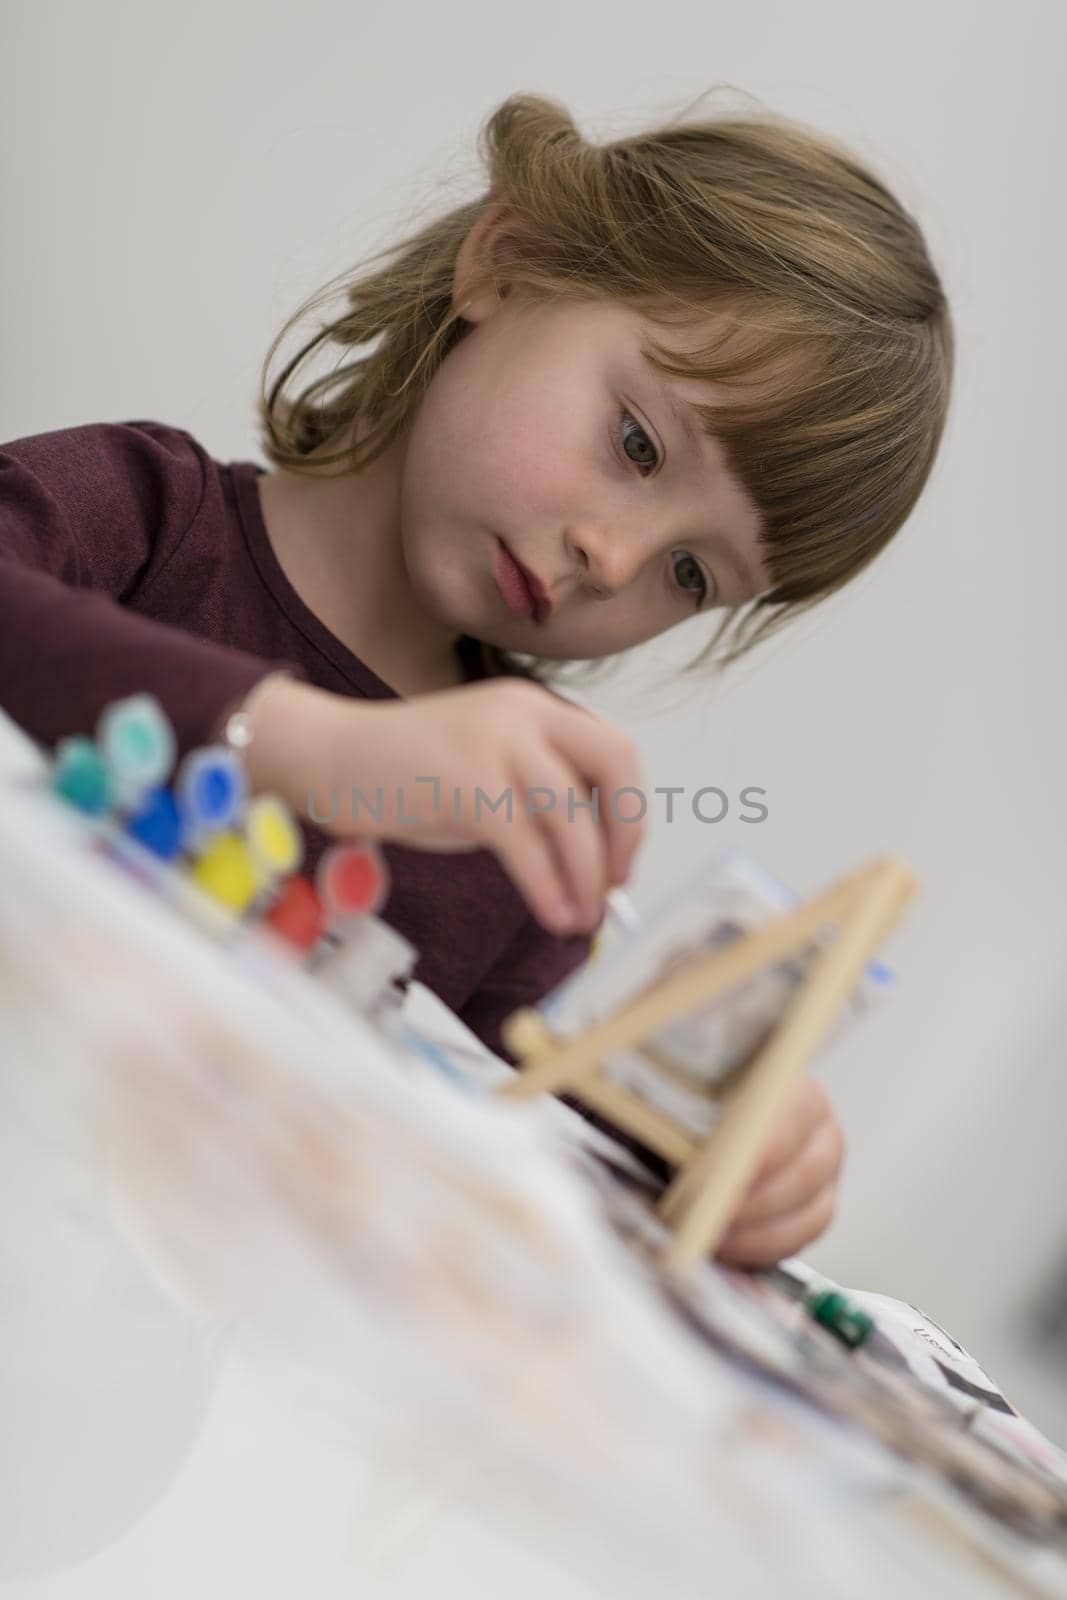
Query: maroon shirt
point(131, 560)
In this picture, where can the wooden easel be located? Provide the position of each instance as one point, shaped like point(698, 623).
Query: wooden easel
point(712, 1171)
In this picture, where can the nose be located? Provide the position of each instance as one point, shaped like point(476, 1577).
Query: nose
point(608, 557)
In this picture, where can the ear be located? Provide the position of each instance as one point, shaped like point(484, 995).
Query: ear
point(473, 297)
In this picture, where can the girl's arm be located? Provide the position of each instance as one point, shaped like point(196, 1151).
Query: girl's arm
point(88, 516)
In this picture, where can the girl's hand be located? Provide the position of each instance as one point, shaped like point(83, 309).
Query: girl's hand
point(793, 1195)
point(430, 756)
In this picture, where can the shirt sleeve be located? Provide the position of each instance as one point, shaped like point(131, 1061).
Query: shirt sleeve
point(87, 516)
point(530, 968)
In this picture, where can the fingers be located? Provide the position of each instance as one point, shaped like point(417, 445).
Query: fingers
point(815, 1165)
point(562, 819)
point(606, 759)
point(535, 869)
point(806, 1108)
point(765, 1243)
point(793, 1198)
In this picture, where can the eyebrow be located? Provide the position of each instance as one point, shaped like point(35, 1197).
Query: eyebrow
point(683, 413)
point(685, 416)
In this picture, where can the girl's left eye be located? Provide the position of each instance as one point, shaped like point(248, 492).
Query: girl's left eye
point(639, 437)
point(698, 590)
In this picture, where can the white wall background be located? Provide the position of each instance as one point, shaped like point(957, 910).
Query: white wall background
point(176, 177)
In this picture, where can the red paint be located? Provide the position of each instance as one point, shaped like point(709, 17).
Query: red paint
point(352, 879)
point(297, 913)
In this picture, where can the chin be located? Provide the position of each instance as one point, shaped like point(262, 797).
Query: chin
point(532, 642)
point(440, 602)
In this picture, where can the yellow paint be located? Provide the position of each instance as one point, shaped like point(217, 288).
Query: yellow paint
point(273, 836)
point(227, 871)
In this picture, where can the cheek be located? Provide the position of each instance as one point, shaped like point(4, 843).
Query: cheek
point(531, 462)
point(509, 458)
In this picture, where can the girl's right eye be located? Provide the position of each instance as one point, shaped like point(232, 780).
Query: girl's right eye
point(638, 437)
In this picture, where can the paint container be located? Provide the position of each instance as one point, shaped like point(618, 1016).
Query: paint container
point(136, 740)
point(367, 965)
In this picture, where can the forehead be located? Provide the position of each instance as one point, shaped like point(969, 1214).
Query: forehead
point(698, 338)
point(638, 342)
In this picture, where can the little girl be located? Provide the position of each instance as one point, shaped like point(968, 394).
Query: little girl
point(702, 368)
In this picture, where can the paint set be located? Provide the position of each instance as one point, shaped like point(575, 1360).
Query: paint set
point(192, 833)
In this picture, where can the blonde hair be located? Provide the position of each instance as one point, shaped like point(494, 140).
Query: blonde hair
point(835, 340)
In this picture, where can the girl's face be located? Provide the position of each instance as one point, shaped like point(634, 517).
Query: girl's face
point(546, 430)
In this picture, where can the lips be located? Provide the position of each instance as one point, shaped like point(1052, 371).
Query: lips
point(524, 595)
